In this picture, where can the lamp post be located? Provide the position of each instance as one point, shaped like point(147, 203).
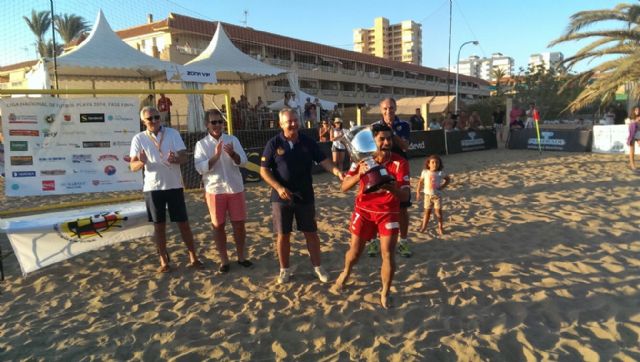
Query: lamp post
point(474, 42)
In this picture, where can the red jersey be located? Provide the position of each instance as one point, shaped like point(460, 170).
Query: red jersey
point(382, 201)
point(164, 104)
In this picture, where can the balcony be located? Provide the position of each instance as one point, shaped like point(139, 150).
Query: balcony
point(313, 91)
point(330, 92)
point(281, 62)
point(349, 71)
point(188, 50)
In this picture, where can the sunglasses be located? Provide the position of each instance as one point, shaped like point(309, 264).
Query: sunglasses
point(153, 118)
point(216, 122)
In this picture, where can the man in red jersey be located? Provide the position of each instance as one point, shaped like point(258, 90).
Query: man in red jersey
point(377, 212)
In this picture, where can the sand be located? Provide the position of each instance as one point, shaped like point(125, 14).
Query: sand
point(540, 261)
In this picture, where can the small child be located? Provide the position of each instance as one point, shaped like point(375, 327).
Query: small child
point(434, 180)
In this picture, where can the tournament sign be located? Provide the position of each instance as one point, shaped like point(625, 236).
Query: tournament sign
point(64, 146)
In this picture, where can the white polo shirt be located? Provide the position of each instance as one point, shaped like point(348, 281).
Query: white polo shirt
point(159, 174)
point(224, 177)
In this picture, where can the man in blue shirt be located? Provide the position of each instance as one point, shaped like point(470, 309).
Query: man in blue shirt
point(286, 165)
point(401, 135)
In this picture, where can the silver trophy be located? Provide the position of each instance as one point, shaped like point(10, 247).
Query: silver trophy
point(361, 146)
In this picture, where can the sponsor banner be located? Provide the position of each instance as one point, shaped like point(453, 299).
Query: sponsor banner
point(466, 141)
point(45, 239)
point(551, 140)
point(423, 143)
point(610, 139)
point(68, 143)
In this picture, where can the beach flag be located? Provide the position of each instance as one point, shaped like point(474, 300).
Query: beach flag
point(536, 119)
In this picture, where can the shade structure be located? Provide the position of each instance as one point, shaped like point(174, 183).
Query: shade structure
point(104, 54)
point(228, 62)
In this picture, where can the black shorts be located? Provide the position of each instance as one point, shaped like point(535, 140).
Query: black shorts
point(406, 204)
point(159, 201)
point(283, 214)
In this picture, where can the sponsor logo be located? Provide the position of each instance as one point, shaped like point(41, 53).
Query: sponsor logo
point(81, 158)
point(280, 151)
point(107, 158)
point(417, 146)
point(547, 140)
point(67, 118)
point(15, 187)
point(126, 158)
point(118, 118)
point(126, 181)
point(24, 132)
point(96, 144)
point(110, 170)
point(23, 174)
point(21, 160)
point(47, 133)
point(91, 117)
point(198, 74)
point(52, 159)
point(50, 118)
point(19, 146)
point(101, 182)
point(48, 185)
point(88, 172)
point(472, 143)
point(53, 172)
point(121, 143)
point(22, 119)
point(123, 131)
point(73, 185)
point(76, 145)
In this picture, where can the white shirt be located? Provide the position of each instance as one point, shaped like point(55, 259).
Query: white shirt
point(159, 174)
point(432, 182)
point(224, 177)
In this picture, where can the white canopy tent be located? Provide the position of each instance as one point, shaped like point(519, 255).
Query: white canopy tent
point(104, 54)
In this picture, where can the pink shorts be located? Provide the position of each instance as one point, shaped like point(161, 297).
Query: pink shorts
point(366, 225)
point(221, 203)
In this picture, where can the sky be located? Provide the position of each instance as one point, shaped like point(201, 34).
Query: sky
point(515, 28)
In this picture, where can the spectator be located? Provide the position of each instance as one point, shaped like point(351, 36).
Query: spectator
point(475, 123)
point(416, 121)
point(164, 107)
point(338, 149)
point(324, 132)
point(514, 117)
point(498, 121)
point(434, 125)
point(530, 115)
point(462, 123)
point(259, 105)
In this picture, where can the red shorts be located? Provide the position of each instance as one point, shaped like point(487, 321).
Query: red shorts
point(221, 203)
point(367, 224)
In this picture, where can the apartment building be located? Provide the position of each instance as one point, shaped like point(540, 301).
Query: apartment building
point(483, 68)
point(547, 60)
point(400, 42)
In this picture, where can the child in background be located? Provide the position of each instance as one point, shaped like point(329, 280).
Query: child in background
point(432, 181)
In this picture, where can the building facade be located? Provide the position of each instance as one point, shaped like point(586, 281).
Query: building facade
point(484, 68)
point(547, 60)
point(400, 42)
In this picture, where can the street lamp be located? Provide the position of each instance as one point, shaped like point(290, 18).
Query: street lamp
point(474, 42)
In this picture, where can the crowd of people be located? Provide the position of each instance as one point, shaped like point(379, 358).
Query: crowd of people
point(380, 218)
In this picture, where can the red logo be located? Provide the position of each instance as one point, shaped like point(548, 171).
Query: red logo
point(48, 185)
point(126, 158)
point(67, 117)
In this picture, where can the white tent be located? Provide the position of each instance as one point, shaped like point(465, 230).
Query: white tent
point(229, 63)
point(104, 54)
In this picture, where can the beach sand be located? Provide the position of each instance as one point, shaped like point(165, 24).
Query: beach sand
point(540, 261)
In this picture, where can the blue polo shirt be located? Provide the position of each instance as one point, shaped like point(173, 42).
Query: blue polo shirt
point(291, 166)
point(401, 129)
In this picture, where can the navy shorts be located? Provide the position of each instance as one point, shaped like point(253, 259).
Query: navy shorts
point(283, 215)
point(159, 201)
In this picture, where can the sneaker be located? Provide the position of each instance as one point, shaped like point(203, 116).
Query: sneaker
point(403, 248)
point(284, 276)
point(321, 273)
point(373, 249)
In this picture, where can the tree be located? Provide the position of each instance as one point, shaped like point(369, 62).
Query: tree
point(39, 24)
point(498, 73)
point(69, 26)
point(620, 45)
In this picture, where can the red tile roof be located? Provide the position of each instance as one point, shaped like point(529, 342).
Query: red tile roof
point(182, 23)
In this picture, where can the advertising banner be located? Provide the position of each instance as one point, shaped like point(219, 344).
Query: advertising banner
point(423, 143)
point(610, 139)
point(466, 141)
point(551, 140)
point(64, 146)
point(45, 239)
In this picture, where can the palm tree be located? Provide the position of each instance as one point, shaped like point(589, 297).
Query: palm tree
point(39, 24)
point(622, 43)
point(69, 26)
point(497, 73)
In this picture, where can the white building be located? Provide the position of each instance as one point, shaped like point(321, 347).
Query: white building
point(547, 60)
point(401, 42)
point(475, 66)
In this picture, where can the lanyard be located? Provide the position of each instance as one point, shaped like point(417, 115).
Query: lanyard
point(157, 143)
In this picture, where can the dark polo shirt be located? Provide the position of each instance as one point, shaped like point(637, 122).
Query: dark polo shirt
point(291, 167)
